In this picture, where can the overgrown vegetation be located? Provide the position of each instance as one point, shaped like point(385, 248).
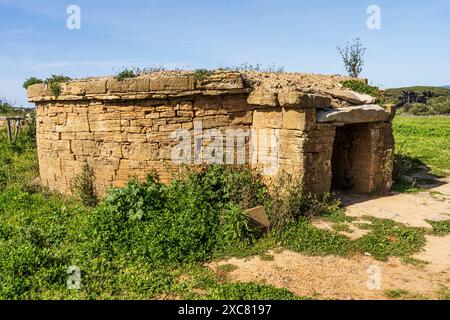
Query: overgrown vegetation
point(137, 244)
point(394, 93)
point(126, 74)
point(185, 221)
point(53, 82)
point(420, 101)
point(200, 74)
point(84, 186)
point(434, 106)
point(31, 81)
point(291, 202)
point(388, 238)
point(8, 109)
point(362, 87)
point(150, 240)
point(250, 291)
point(440, 228)
point(385, 239)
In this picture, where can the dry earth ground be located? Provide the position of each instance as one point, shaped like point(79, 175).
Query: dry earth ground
point(333, 277)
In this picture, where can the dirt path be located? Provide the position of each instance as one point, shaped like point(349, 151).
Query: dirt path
point(332, 277)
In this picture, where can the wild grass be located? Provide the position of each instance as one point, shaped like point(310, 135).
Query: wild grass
point(426, 141)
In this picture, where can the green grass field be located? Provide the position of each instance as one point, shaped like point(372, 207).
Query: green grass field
point(426, 140)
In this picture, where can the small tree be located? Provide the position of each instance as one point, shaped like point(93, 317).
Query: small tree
point(353, 56)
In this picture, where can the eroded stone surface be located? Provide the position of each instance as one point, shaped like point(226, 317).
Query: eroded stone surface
point(359, 114)
point(125, 128)
point(351, 96)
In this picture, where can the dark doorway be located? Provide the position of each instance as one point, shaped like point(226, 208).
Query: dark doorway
point(349, 166)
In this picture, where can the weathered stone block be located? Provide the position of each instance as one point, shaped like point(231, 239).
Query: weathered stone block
point(128, 85)
point(241, 118)
point(268, 118)
point(299, 119)
point(263, 98)
point(181, 83)
point(290, 98)
point(141, 151)
point(105, 125)
point(316, 101)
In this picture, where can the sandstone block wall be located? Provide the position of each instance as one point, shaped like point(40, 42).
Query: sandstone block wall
point(124, 129)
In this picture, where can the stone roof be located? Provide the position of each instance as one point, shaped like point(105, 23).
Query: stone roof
point(264, 88)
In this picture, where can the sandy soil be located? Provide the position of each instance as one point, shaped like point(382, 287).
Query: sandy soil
point(332, 277)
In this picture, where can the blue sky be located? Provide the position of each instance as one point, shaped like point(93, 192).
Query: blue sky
point(411, 48)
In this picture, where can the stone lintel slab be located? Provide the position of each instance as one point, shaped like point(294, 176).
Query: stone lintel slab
point(350, 115)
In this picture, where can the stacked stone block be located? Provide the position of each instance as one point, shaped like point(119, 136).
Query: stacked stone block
point(124, 129)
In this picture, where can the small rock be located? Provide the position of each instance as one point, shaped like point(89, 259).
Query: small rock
point(258, 218)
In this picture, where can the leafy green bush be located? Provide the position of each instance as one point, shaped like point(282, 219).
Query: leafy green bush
point(185, 221)
point(435, 106)
point(5, 107)
point(126, 74)
point(418, 109)
point(440, 105)
point(54, 83)
point(31, 81)
point(200, 74)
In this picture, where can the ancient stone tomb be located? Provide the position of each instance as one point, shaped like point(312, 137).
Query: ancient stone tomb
point(307, 125)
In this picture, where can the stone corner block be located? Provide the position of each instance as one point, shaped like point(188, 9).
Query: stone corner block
point(37, 90)
point(263, 98)
point(290, 98)
point(316, 101)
